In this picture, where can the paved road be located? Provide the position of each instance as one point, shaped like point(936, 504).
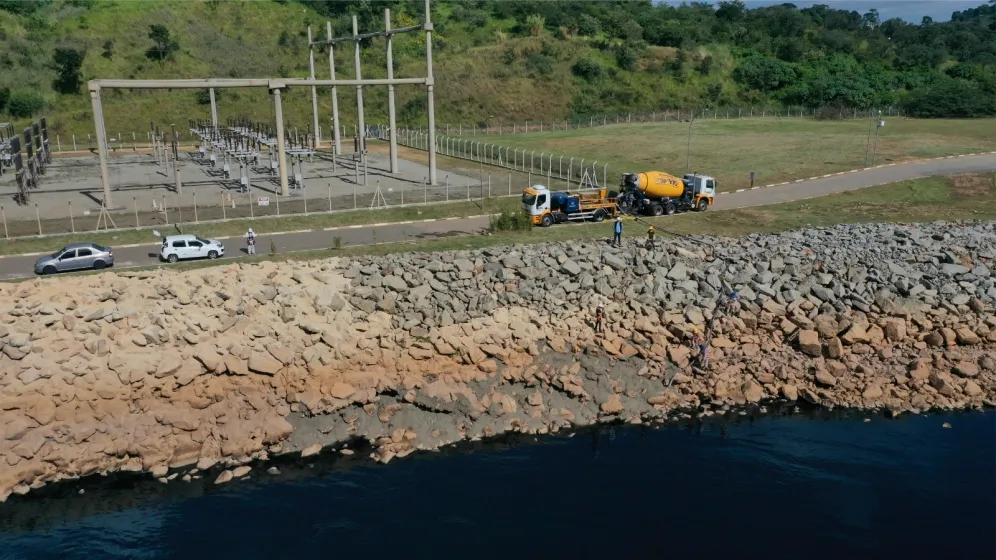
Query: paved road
point(22, 267)
point(129, 257)
point(856, 180)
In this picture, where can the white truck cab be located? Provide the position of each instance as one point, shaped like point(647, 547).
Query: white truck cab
point(536, 200)
point(701, 185)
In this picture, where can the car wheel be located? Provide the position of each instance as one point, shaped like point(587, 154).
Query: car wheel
point(49, 270)
point(703, 205)
point(172, 258)
point(99, 265)
point(547, 221)
point(212, 255)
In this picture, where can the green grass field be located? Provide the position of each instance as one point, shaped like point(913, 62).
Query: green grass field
point(775, 149)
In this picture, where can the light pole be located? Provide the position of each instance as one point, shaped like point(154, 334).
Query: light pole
point(688, 150)
point(868, 142)
point(881, 123)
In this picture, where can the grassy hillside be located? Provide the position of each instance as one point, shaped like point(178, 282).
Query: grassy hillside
point(495, 61)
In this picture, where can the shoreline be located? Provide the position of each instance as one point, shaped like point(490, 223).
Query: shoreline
point(101, 494)
point(176, 373)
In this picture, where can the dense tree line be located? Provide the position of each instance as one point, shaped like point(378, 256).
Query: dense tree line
point(815, 57)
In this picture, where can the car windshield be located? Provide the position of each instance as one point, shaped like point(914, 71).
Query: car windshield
point(203, 241)
point(528, 199)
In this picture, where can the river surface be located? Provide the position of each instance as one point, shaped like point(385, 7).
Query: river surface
point(778, 486)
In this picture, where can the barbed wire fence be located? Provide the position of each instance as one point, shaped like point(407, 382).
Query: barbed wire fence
point(658, 116)
point(576, 171)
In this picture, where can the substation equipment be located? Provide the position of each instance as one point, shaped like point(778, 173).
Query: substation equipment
point(28, 167)
point(251, 132)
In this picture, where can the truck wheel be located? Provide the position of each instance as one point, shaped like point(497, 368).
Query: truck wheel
point(703, 205)
point(670, 209)
point(547, 221)
point(599, 215)
point(657, 210)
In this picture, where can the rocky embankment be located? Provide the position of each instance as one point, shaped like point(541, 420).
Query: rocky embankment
point(176, 373)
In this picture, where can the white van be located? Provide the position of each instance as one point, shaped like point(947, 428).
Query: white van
point(179, 247)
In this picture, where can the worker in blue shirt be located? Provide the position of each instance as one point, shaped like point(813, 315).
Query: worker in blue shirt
point(617, 233)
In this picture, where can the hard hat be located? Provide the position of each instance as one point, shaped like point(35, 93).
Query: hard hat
point(250, 230)
point(734, 295)
point(618, 218)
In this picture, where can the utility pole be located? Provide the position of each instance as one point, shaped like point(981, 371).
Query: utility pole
point(688, 150)
point(430, 95)
point(881, 123)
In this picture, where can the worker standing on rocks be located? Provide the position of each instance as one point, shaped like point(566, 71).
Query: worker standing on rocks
point(703, 348)
point(650, 237)
point(599, 315)
point(617, 233)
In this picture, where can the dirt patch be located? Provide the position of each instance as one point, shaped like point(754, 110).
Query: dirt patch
point(968, 185)
point(752, 216)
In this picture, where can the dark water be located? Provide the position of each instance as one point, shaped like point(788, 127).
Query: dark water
point(771, 487)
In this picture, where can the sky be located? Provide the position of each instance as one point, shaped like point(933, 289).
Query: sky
point(909, 10)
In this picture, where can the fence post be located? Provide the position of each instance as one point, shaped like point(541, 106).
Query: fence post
point(194, 194)
point(510, 184)
point(72, 223)
point(134, 201)
point(4, 215)
point(446, 185)
point(38, 218)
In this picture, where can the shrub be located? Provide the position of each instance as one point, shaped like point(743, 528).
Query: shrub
point(203, 96)
point(588, 25)
point(540, 63)
point(705, 65)
point(950, 98)
point(510, 218)
point(24, 103)
point(67, 64)
point(587, 68)
point(165, 45)
point(535, 24)
point(627, 57)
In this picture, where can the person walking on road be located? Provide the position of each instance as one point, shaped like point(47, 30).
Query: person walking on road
point(251, 242)
point(617, 233)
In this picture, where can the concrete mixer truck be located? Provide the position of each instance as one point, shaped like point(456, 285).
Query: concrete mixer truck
point(656, 193)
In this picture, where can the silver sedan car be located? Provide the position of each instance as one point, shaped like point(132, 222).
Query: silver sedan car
point(78, 256)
